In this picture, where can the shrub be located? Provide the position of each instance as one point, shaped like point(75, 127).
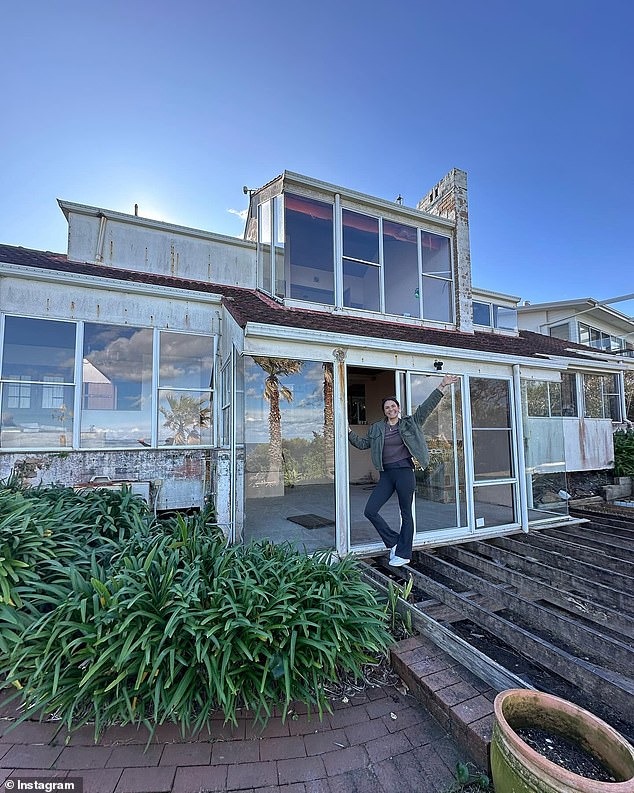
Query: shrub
point(152, 622)
point(624, 453)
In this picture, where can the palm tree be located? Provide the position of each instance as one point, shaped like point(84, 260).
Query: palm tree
point(273, 390)
point(186, 416)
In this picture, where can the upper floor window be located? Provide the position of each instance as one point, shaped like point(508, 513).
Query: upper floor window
point(309, 272)
point(599, 339)
point(560, 331)
point(385, 266)
point(493, 315)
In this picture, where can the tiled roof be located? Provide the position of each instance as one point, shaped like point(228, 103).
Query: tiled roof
point(248, 305)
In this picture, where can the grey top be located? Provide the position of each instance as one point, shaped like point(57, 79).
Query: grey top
point(410, 429)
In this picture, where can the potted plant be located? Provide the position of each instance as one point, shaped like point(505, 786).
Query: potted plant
point(518, 768)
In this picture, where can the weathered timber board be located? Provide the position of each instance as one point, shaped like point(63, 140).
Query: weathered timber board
point(606, 618)
point(536, 563)
point(609, 652)
point(594, 680)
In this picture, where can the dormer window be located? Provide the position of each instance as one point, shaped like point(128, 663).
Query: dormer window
point(381, 266)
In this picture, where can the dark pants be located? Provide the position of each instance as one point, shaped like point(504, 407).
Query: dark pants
point(404, 482)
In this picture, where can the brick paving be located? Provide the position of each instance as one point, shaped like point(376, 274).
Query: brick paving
point(380, 741)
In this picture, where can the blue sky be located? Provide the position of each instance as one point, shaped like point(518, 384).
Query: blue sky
point(176, 106)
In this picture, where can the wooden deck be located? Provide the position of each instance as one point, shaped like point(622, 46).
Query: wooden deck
point(552, 609)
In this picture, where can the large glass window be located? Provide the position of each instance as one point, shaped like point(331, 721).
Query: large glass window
point(544, 455)
point(601, 396)
point(38, 367)
point(482, 313)
point(185, 379)
point(543, 398)
point(436, 267)
point(492, 436)
point(569, 394)
point(400, 268)
point(289, 451)
point(117, 386)
point(118, 406)
point(361, 273)
point(308, 249)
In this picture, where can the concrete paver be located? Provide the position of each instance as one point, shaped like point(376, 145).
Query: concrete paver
point(379, 741)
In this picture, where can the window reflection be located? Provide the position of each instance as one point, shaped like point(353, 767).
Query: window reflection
point(117, 386)
point(289, 451)
point(308, 249)
point(185, 378)
point(400, 264)
point(38, 391)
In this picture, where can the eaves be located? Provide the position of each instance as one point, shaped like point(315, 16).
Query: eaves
point(112, 284)
point(285, 333)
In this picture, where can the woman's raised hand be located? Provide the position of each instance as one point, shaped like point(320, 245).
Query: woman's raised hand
point(449, 379)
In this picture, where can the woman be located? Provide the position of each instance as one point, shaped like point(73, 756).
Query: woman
point(393, 442)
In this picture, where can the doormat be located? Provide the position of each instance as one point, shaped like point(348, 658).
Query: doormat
point(311, 521)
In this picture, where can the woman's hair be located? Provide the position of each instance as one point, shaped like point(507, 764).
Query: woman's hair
point(389, 399)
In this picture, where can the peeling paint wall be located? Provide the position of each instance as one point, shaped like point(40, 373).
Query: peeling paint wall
point(138, 244)
point(448, 199)
point(588, 444)
point(179, 478)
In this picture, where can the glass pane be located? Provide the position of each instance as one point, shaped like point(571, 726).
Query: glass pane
point(490, 402)
point(360, 285)
point(280, 283)
point(360, 236)
point(560, 331)
point(554, 390)
point(186, 360)
point(184, 418)
point(569, 394)
point(481, 313)
point(504, 317)
point(436, 258)
point(492, 454)
point(544, 459)
point(264, 245)
point(493, 505)
point(38, 349)
point(592, 396)
point(400, 268)
point(116, 387)
point(537, 397)
point(37, 416)
point(437, 299)
point(584, 334)
point(289, 466)
point(440, 495)
point(308, 250)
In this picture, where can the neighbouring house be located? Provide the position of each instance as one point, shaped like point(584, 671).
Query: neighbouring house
point(598, 325)
point(194, 365)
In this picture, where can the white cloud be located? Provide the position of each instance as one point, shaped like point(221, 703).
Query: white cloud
point(241, 213)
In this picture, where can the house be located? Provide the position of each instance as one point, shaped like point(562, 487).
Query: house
point(598, 325)
point(195, 365)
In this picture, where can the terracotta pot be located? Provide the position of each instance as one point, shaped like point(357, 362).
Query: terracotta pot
point(516, 768)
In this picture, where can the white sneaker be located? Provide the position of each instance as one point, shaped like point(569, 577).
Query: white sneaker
point(392, 551)
point(398, 561)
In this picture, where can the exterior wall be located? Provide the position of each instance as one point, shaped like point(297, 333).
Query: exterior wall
point(179, 478)
point(588, 444)
point(449, 199)
point(152, 247)
point(33, 296)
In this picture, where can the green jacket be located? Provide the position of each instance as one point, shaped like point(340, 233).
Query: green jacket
point(410, 430)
